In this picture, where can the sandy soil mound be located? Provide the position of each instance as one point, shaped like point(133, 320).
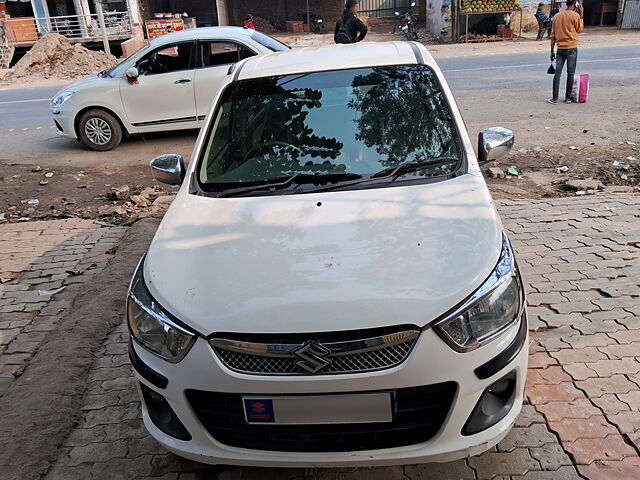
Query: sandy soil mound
point(263, 25)
point(54, 56)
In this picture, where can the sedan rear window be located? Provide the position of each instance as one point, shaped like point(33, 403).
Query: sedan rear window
point(269, 42)
point(358, 124)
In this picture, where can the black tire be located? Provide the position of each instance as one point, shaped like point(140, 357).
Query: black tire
point(99, 130)
point(412, 34)
point(408, 35)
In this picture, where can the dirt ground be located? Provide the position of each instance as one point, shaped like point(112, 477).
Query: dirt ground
point(102, 195)
point(589, 170)
point(74, 192)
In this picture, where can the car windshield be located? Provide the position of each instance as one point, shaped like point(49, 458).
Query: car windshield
point(360, 123)
point(113, 72)
point(269, 42)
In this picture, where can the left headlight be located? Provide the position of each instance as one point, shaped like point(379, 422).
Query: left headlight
point(152, 326)
point(59, 99)
point(494, 307)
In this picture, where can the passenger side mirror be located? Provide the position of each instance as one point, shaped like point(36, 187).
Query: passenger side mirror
point(132, 73)
point(494, 142)
point(168, 168)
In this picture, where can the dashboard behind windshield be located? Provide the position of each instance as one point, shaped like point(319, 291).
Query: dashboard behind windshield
point(356, 121)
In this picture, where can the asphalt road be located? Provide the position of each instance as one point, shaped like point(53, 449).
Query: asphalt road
point(494, 89)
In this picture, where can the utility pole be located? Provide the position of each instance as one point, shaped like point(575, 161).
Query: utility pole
point(308, 19)
point(103, 29)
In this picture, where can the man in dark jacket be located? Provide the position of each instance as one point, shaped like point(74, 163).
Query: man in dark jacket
point(349, 28)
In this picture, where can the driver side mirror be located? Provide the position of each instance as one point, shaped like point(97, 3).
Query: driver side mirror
point(493, 143)
point(168, 168)
point(132, 73)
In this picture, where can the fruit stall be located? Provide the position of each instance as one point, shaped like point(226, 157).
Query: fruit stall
point(468, 15)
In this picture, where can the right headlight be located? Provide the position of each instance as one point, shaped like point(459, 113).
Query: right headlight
point(494, 307)
point(152, 326)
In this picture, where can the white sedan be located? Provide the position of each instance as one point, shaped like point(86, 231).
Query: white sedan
point(166, 85)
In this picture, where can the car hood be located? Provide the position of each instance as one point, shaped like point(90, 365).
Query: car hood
point(324, 262)
point(84, 82)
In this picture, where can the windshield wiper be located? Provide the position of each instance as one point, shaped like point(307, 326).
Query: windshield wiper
point(390, 172)
point(411, 167)
point(286, 180)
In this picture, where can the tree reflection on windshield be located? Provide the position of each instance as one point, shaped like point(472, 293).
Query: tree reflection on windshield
point(403, 115)
point(353, 121)
point(287, 132)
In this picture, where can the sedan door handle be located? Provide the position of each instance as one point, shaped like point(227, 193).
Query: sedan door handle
point(182, 80)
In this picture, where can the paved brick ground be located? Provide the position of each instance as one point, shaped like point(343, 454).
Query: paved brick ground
point(581, 261)
point(40, 257)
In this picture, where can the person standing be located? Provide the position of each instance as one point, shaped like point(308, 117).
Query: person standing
point(555, 10)
point(565, 28)
point(544, 22)
point(349, 28)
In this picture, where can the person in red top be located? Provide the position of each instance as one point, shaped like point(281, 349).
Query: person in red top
point(248, 22)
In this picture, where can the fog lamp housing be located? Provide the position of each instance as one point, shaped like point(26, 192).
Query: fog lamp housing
point(494, 404)
point(162, 415)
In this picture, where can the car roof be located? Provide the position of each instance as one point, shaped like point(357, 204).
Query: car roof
point(203, 32)
point(333, 57)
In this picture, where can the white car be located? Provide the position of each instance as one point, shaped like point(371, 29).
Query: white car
point(332, 285)
point(167, 85)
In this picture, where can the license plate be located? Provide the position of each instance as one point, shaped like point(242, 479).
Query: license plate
point(405, 28)
point(319, 409)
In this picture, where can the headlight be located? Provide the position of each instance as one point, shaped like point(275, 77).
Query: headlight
point(495, 306)
point(152, 326)
point(58, 100)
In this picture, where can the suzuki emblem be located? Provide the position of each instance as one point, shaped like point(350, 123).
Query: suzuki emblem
point(311, 356)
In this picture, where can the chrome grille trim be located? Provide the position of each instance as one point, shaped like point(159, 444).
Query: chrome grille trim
point(351, 356)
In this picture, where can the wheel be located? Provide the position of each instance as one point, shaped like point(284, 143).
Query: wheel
point(412, 33)
point(99, 130)
point(408, 35)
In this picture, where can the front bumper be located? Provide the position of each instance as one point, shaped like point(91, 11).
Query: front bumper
point(64, 123)
point(431, 362)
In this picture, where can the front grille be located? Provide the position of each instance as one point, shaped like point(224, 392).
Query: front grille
point(322, 354)
point(419, 413)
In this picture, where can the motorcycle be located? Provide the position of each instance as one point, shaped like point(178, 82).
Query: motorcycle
point(408, 23)
point(316, 24)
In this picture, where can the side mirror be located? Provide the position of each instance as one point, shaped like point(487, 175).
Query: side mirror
point(132, 72)
point(397, 14)
point(494, 143)
point(168, 168)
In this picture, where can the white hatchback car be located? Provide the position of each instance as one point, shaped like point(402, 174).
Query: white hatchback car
point(332, 285)
point(167, 85)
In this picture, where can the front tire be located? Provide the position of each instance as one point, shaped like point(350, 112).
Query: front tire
point(99, 130)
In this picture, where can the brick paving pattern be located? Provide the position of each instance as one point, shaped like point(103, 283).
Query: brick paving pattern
point(580, 259)
point(42, 257)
